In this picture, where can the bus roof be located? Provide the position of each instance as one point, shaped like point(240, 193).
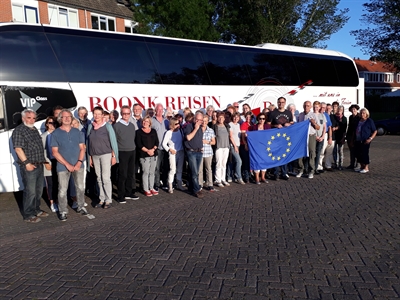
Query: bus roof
point(269, 46)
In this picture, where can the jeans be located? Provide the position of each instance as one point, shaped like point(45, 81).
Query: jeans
point(194, 160)
point(318, 149)
point(237, 162)
point(221, 158)
point(338, 153)
point(126, 174)
point(63, 181)
point(244, 155)
point(33, 189)
point(283, 168)
point(148, 168)
point(102, 167)
point(161, 168)
point(206, 164)
point(176, 165)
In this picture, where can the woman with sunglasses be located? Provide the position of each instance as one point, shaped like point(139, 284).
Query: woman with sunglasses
point(173, 144)
point(261, 125)
point(50, 177)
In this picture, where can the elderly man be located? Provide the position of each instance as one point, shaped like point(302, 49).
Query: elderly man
point(29, 149)
point(68, 147)
point(307, 163)
point(161, 125)
point(193, 143)
point(125, 133)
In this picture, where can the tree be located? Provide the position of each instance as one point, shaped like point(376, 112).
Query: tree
point(305, 23)
point(294, 22)
point(190, 19)
point(381, 39)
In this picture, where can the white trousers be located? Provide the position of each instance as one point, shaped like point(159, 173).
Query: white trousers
point(221, 158)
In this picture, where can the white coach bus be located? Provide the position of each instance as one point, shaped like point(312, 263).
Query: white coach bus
point(43, 66)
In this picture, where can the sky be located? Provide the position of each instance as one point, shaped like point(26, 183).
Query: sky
point(342, 40)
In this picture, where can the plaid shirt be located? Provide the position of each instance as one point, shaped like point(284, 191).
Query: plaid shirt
point(30, 141)
point(208, 135)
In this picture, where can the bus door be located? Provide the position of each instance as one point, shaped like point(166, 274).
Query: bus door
point(8, 172)
point(14, 99)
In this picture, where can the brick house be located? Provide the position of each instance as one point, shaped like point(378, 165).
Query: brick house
point(379, 77)
point(109, 15)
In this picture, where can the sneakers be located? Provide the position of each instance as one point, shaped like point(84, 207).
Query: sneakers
point(299, 175)
point(285, 177)
point(33, 220)
point(257, 182)
point(74, 205)
point(264, 180)
point(83, 211)
point(134, 197)
point(54, 207)
point(363, 171)
point(148, 193)
point(155, 189)
point(230, 180)
point(210, 189)
point(63, 217)
point(42, 214)
point(357, 169)
point(310, 176)
point(165, 188)
point(240, 181)
point(122, 201)
point(225, 183)
point(219, 184)
point(154, 192)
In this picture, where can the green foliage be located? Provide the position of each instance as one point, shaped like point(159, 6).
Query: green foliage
point(190, 19)
point(381, 39)
point(305, 23)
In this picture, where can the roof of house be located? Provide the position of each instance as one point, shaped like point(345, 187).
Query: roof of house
point(117, 8)
point(373, 66)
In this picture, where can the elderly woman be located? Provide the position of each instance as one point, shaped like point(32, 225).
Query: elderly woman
point(223, 138)
point(235, 166)
point(261, 125)
point(365, 133)
point(103, 153)
point(340, 137)
point(147, 143)
point(351, 134)
point(292, 108)
point(173, 144)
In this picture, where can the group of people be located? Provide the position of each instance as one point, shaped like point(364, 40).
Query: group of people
point(78, 155)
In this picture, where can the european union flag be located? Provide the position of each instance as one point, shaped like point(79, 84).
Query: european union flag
point(276, 147)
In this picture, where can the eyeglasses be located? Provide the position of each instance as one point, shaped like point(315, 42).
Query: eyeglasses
point(124, 114)
point(236, 106)
point(262, 119)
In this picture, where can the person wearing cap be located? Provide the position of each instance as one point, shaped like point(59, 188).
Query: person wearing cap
point(351, 133)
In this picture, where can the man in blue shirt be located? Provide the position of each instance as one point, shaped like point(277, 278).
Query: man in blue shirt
point(68, 147)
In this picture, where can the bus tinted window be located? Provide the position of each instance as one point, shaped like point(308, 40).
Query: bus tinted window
point(95, 59)
point(347, 73)
point(224, 67)
point(320, 71)
point(27, 56)
point(177, 63)
point(271, 69)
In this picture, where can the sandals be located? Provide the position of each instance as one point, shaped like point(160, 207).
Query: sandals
point(107, 206)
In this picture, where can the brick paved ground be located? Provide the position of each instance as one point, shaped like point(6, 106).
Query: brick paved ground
point(333, 237)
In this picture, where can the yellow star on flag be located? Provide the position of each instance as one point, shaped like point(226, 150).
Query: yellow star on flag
point(272, 137)
point(287, 150)
point(284, 135)
point(278, 135)
point(269, 143)
point(289, 144)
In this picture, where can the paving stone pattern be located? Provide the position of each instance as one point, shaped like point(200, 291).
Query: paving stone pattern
point(336, 236)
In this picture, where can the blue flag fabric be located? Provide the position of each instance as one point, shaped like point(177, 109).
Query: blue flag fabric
point(276, 147)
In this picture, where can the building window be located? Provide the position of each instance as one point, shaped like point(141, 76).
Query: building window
point(103, 23)
point(24, 13)
point(388, 77)
point(65, 17)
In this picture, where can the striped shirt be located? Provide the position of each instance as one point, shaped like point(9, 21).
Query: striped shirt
point(208, 135)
